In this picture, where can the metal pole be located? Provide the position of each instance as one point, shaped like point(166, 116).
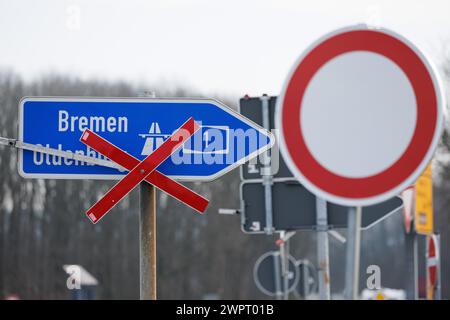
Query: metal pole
point(147, 234)
point(288, 272)
point(277, 274)
point(416, 266)
point(412, 286)
point(284, 254)
point(438, 254)
point(429, 292)
point(14, 143)
point(353, 253)
point(305, 276)
point(322, 249)
point(266, 170)
point(147, 231)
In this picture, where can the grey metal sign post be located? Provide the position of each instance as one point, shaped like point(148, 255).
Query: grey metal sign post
point(439, 273)
point(411, 248)
point(267, 177)
point(147, 235)
point(254, 109)
point(322, 249)
point(283, 242)
point(353, 253)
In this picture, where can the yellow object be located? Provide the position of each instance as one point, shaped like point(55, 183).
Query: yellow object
point(430, 291)
point(423, 219)
point(379, 296)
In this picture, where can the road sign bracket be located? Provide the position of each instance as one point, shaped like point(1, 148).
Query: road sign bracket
point(14, 143)
point(226, 211)
point(336, 235)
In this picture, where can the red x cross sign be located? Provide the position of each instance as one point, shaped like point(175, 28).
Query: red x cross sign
point(144, 170)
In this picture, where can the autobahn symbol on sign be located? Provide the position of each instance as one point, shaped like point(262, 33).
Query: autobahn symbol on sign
point(360, 116)
point(138, 126)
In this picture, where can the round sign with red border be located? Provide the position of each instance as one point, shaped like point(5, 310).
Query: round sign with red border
point(360, 115)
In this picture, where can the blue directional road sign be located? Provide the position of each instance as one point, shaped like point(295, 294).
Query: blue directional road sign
point(225, 139)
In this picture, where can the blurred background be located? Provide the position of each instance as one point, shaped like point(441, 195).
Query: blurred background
point(179, 49)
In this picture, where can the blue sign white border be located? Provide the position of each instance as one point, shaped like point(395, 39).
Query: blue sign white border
point(137, 99)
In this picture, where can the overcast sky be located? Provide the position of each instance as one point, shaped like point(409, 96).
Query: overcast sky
point(216, 47)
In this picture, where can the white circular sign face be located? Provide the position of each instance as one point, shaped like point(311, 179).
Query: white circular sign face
point(360, 115)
